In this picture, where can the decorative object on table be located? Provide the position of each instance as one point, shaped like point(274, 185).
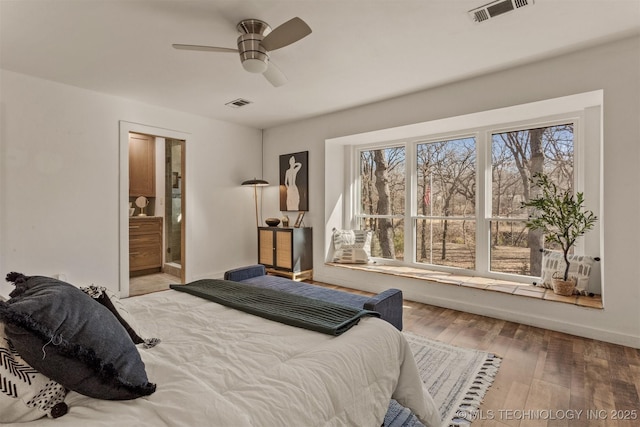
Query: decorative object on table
point(285, 221)
point(299, 220)
point(272, 222)
point(142, 202)
point(562, 218)
point(294, 181)
point(255, 183)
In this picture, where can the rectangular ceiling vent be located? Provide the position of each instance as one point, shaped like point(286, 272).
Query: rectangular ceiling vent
point(495, 8)
point(237, 103)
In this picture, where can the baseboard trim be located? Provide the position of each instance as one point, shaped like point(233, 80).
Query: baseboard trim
point(559, 325)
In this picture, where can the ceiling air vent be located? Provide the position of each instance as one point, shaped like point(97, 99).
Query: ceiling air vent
point(495, 8)
point(237, 103)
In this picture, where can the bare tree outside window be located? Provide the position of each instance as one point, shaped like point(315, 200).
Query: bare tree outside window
point(446, 225)
point(445, 219)
point(382, 189)
point(516, 157)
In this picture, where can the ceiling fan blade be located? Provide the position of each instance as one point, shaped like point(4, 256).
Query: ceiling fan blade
point(287, 33)
point(274, 75)
point(204, 48)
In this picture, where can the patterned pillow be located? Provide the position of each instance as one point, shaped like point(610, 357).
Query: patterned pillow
point(579, 267)
point(110, 300)
point(67, 336)
point(351, 246)
point(26, 394)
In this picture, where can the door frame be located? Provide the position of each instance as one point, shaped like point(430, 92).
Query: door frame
point(123, 195)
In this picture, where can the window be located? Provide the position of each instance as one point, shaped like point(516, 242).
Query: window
point(445, 198)
point(457, 203)
point(516, 156)
point(382, 200)
point(482, 163)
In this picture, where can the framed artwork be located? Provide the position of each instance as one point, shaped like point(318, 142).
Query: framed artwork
point(299, 220)
point(294, 182)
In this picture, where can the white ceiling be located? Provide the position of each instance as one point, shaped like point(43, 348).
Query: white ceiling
point(360, 51)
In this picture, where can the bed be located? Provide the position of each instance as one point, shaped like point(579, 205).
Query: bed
point(217, 366)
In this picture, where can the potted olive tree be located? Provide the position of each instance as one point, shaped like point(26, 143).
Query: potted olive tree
point(562, 218)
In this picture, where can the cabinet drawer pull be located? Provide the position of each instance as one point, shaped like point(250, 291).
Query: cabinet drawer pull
point(134, 253)
point(133, 226)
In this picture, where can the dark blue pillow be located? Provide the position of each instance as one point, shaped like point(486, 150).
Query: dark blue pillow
point(66, 335)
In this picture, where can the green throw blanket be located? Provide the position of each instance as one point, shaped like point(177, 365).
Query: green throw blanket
point(294, 310)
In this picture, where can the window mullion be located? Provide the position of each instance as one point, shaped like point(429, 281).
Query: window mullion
point(410, 202)
point(353, 207)
point(483, 202)
point(490, 141)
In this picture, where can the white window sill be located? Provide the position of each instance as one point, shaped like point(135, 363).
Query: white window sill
point(476, 282)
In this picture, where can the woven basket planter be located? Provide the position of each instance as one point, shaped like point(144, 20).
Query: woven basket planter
point(564, 287)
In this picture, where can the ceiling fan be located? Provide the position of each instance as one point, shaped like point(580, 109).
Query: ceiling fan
point(255, 42)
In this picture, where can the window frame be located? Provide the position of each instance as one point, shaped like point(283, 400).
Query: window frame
point(356, 196)
point(483, 203)
point(484, 229)
point(415, 216)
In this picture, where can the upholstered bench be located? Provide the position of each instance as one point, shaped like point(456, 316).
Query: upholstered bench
point(388, 303)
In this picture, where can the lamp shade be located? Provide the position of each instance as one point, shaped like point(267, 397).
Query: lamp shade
point(256, 182)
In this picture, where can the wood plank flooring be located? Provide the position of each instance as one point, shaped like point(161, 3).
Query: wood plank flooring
point(546, 379)
point(151, 283)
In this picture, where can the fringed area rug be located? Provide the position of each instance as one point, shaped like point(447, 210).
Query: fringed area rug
point(456, 377)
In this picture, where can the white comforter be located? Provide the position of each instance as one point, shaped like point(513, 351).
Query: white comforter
point(217, 366)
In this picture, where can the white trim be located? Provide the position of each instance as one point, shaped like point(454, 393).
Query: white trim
point(483, 201)
point(541, 317)
point(477, 120)
point(480, 126)
point(531, 317)
point(574, 118)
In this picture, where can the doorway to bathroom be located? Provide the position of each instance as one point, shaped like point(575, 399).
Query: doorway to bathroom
point(165, 206)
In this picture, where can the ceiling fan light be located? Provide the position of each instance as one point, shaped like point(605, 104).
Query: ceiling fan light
point(254, 65)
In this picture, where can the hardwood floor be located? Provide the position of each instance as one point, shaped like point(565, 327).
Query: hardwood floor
point(151, 283)
point(546, 378)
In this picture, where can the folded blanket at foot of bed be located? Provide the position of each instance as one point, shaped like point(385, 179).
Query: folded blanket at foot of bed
point(388, 302)
point(294, 310)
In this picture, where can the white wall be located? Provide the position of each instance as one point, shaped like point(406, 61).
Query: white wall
point(614, 68)
point(59, 183)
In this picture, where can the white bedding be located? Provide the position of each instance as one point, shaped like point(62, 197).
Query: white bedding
point(217, 366)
